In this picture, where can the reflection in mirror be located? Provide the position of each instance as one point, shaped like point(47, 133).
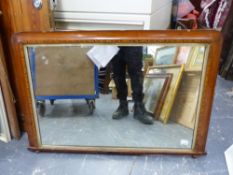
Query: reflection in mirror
point(75, 101)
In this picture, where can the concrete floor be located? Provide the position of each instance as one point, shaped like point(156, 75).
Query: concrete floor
point(15, 159)
point(69, 120)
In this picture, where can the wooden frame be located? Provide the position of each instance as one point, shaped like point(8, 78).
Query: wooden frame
point(212, 39)
point(19, 16)
point(177, 72)
point(8, 96)
point(157, 105)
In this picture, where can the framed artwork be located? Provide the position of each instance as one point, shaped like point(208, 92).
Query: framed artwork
point(183, 54)
point(155, 90)
point(196, 58)
point(4, 129)
point(177, 72)
point(184, 112)
point(165, 55)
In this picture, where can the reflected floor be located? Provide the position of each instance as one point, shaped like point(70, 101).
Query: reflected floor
point(67, 123)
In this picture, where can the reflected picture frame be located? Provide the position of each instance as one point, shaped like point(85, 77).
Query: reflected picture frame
point(211, 39)
point(166, 55)
point(183, 54)
point(177, 72)
point(155, 88)
point(184, 112)
point(194, 62)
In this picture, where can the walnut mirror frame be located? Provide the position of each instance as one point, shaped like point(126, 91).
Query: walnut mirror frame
point(210, 39)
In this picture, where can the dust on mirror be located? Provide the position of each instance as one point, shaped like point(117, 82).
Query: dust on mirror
point(140, 96)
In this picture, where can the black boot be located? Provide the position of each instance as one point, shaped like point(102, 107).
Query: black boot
point(141, 114)
point(122, 110)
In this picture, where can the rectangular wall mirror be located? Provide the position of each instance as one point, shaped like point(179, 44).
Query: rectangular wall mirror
point(67, 111)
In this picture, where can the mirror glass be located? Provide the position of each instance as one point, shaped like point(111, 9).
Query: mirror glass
point(74, 99)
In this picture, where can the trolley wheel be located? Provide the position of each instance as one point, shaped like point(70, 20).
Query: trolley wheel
point(52, 102)
point(91, 105)
point(42, 108)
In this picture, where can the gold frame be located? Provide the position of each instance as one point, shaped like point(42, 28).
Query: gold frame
point(171, 95)
point(4, 129)
point(194, 56)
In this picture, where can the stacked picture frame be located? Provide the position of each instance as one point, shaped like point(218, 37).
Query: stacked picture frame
point(165, 83)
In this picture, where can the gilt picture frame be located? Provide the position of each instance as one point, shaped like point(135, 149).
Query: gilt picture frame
point(155, 88)
point(177, 72)
point(195, 60)
point(4, 128)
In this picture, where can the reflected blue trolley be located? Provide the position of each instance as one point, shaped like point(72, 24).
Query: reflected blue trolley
point(61, 72)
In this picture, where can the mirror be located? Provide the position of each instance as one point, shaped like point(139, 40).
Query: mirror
point(69, 104)
point(159, 83)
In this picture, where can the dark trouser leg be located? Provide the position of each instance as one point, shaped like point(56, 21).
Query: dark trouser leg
point(133, 56)
point(119, 71)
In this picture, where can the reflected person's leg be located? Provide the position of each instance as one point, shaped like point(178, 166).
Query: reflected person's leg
point(119, 75)
point(133, 57)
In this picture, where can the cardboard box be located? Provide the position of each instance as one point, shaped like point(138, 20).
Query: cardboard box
point(63, 70)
